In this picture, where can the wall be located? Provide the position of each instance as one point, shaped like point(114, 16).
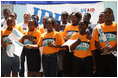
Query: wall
point(20, 10)
point(113, 6)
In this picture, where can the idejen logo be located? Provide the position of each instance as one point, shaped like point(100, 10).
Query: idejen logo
point(90, 10)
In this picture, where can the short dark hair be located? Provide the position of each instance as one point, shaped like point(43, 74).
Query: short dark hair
point(112, 13)
point(6, 10)
point(77, 14)
point(85, 22)
point(14, 14)
point(58, 22)
point(64, 13)
point(34, 18)
point(89, 15)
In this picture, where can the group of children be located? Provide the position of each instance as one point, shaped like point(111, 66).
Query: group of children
point(89, 56)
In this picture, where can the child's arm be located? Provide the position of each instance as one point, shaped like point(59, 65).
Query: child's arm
point(31, 46)
point(50, 44)
point(23, 38)
point(74, 45)
point(104, 50)
point(94, 62)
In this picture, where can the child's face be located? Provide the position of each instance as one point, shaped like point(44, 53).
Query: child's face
point(64, 17)
point(101, 18)
point(49, 24)
point(108, 15)
point(44, 21)
point(6, 14)
point(13, 16)
point(86, 17)
point(57, 27)
point(10, 23)
point(74, 19)
point(82, 27)
point(31, 25)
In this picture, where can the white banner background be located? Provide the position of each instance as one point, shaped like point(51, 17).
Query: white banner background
point(94, 9)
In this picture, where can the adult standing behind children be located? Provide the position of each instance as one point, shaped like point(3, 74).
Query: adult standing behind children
point(25, 22)
point(6, 13)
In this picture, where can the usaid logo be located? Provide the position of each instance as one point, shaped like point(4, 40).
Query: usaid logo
point(90, 10)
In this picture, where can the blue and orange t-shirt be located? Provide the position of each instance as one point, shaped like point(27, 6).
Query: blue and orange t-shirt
point(4, 36)
point(84, 49)
point(35, 34)
point(70, 30)
point(54, 37)
point(110, 33)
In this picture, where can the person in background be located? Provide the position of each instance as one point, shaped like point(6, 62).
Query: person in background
point(9, 65)
point(82, 60)
point(44, 22)
point(64, 18)
point(87, 17)
point(14, 16)
point(68, 32)
point(32, 55)
point(25, 23)
point(101, 18)
point(97, 52)
point(61, 51)
point(6, 13)
point(107, 61)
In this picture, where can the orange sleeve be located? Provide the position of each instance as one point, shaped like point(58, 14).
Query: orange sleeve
point(38, 36)
point(41, 30)
point(95, 35)
point(1, 36)
point(59, 39)
point(92, 44)
point(65, 32)
point(94, 38)
point(40, 42)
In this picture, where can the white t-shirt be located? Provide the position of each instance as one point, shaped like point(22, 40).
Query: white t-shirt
point(92, 25)
point(3, 23)
point(24, 26)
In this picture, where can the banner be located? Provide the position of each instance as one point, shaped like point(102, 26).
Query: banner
point(15, 35)
point(15, 48)
point(56, 10)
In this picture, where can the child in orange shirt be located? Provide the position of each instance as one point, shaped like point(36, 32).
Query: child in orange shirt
point(107, 61)
point(9, 64)
point(32, 55)
point(82, 60)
